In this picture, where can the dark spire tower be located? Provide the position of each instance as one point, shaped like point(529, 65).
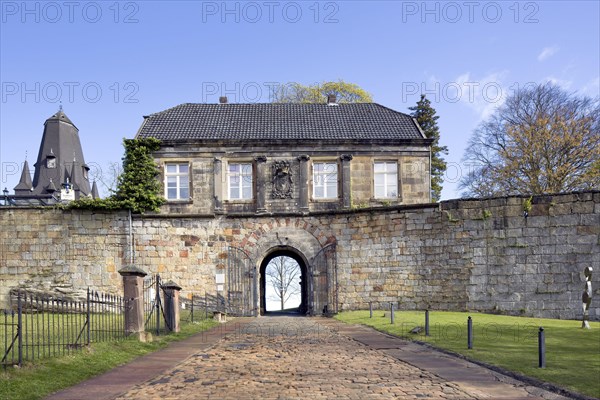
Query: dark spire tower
point(25, 186)
point(60, 160)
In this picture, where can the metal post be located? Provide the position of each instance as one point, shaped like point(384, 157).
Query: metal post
point(157, 304)
point(426, 322)
point(392, 312)
point(542, 348)
point(20, 326)
point(130, 238)
point(87, 316)
point(370, 310)
point(205, 305)
point(469, 333)
point(192, 308)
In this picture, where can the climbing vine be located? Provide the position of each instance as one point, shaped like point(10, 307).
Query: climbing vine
point(138, 189)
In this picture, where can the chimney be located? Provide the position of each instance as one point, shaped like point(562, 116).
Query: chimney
point(223, 99)
point(331, 99)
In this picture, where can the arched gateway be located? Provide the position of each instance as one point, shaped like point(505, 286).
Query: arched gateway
point(245, 286)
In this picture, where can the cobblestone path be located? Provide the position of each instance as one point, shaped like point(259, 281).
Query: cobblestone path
point(287, 357)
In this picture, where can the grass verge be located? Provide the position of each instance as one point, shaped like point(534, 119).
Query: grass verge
point(35, 381)
point(572, 353)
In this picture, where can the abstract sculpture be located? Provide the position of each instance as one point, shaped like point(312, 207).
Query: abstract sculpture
point(586, 298)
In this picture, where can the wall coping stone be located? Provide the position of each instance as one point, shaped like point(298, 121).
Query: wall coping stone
point(131, 269)
point(171, 285)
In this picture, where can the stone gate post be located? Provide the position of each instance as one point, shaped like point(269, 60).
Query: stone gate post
point(171, 291)
point(133, 292)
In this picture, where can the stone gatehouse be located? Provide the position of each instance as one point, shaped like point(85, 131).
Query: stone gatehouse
point(344, 189)
point(226, 158)
point(480, 255)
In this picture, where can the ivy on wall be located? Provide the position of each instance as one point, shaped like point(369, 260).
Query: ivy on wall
point(138, 189)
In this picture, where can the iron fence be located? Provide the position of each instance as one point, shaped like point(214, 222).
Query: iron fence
point(39, 327)
point(154, 314)
point(200, 307)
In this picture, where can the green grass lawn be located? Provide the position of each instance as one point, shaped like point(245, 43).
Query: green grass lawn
point(35, 381)
point(572, 353)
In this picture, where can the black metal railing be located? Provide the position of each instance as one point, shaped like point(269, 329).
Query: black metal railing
point(200, 307)
point(41, 326)
point(155, 320)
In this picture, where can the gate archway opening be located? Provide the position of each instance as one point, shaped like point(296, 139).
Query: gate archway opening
point(269, 267)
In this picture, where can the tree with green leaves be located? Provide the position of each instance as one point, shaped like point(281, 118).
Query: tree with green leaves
point(138, 189)
point(425, 116)
point(345, 92)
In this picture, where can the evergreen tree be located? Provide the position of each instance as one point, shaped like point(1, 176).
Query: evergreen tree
point(138, 189)
point(425, 116)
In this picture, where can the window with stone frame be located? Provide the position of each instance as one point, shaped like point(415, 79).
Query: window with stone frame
point(239, 181)
point(325, 180)
point(385, 179)
point(177, 181)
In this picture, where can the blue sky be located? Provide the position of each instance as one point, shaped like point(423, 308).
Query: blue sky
point(110, 63)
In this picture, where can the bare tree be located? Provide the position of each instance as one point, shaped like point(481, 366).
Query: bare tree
point(283, 274)
point(541, 140)
point(107, 177)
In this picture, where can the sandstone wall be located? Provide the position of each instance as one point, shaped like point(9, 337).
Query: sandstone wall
point(47, 249)
point(481, 255)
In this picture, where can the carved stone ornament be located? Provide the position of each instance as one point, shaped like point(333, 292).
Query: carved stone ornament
point(282, 180)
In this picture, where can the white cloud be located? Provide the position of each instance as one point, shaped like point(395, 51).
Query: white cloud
point(547, 53)
point(592, 88)
point(563, 83)
point(483, 95)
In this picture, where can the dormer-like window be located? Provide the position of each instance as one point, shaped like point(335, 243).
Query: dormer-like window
point(86, 172)
point(51, 161)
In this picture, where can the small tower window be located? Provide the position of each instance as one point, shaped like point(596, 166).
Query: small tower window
point(51, 160)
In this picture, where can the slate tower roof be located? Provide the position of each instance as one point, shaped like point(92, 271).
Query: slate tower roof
point(60, 160)
point(25, 186)
point(280, 121)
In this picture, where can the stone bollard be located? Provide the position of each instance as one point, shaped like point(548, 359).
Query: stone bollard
point(133, 288)
point(171, 291)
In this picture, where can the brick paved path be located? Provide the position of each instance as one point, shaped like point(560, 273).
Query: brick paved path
point(314, 358)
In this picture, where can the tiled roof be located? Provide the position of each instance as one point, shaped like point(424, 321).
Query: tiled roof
point(279, 121)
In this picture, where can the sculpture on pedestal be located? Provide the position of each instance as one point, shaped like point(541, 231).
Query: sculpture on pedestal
point(586, 298)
